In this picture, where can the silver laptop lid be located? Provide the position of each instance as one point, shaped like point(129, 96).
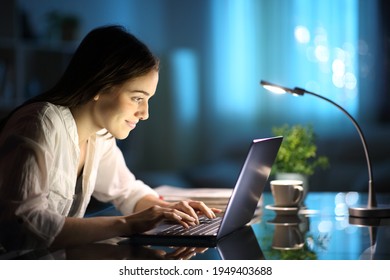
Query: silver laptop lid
point(250, 184)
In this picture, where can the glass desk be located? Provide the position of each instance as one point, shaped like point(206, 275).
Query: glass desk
point(323, 230)
point(320, 230)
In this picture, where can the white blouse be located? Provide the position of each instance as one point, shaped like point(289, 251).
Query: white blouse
point(39, 156)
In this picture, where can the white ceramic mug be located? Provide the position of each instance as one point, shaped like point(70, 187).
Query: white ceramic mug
point(287, 193)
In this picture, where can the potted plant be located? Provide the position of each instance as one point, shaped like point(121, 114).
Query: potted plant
point(297, 157)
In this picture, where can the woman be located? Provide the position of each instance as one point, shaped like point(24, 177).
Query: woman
point(59, 149)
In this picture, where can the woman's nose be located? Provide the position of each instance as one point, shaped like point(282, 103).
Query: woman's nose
point(143, 112)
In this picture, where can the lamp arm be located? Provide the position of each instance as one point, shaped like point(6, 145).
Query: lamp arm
point(371, 194)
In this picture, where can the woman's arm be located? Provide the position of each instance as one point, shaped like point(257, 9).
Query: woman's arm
point(149, 211)
point(77, 231)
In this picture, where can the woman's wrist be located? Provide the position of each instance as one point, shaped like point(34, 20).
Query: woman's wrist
point(123, 226)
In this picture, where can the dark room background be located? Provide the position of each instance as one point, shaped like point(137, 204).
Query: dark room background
point(209, 105)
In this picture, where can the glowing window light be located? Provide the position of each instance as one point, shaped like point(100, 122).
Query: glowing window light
point(339, 53)
point(341, 209)
point(302, 34)
point(322, 53)
point(325, 226)
point(342, 223)
point(321, 38)
point(349, 48)
point(338, 67)
point(350, 81)
point(234, 52)
point(339, 198)
point(185, 85)
point(352, 198)
point(338, 80)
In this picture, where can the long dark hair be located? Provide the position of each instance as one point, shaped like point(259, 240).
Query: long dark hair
point(108, 56)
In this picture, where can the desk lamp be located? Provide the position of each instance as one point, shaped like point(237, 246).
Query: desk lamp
point(372, 210)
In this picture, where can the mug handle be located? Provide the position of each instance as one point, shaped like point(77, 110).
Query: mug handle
point(299, 238)
point(299, 190)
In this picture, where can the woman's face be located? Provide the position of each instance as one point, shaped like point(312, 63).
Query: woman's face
point(120, 109)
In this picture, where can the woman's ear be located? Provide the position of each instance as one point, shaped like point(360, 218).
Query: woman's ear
point(96, 98)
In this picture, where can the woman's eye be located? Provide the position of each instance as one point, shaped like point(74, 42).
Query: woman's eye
point(137, 99)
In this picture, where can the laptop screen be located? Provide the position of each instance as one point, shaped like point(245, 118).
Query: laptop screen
point(250, 184)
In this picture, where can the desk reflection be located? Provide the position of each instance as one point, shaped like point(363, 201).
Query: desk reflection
point(239, 245)
point(379, 232)
point(288, 232)
point(131, 252)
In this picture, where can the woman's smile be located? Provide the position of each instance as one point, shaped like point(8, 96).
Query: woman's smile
point(132, 125)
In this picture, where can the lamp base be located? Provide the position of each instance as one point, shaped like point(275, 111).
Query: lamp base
point(366, 222)
point(380, 211)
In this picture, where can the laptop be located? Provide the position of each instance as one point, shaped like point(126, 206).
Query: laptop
point(239, 211)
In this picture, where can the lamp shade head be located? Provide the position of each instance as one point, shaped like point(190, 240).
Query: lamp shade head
point(278, 89)
point(274, 89)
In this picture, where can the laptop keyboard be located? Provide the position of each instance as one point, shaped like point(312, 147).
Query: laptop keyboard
point(206, 226)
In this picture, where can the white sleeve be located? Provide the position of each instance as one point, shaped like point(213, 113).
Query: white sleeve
point(26, 157)
point(115, 182)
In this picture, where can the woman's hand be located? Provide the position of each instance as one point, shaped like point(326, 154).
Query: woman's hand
point(189, 207)
point(147, 219)
point(183, 212)
point(194, 208)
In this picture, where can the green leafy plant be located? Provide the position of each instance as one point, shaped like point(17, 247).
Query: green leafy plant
point(298, 152)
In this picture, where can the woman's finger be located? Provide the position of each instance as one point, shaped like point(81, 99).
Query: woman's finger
point(184, 206)
point(179, 216)
point(203, 208)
